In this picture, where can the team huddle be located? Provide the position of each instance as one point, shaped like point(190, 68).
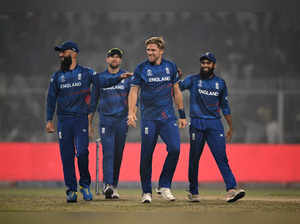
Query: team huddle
point(76, 92)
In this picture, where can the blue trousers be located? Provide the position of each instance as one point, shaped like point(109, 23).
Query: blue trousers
point(74, 140)
point(113, 137)
point(212, 132)
point(168, 131)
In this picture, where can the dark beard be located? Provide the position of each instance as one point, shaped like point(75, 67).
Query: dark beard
point(65, 64)
point(206, 75)
point(113, 67)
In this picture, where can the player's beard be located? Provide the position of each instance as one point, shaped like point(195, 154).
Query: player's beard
point(206, 74)
point(66, 63)
point(113, 66)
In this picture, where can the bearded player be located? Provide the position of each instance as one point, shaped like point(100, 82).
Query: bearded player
point(208, 95)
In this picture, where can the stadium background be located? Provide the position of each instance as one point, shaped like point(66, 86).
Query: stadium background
point(257, 54)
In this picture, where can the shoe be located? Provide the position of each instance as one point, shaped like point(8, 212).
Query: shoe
point(165, 193)
point(71, 196)
point(234, 195)
point(108, 191)
point(86, 193)
point(115, 194)
point(193, 197)
point(146, 198)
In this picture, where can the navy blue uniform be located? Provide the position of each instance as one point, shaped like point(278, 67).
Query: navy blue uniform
point(70, 92)
point(207, 98)
point(113, 112)
point(158, 118)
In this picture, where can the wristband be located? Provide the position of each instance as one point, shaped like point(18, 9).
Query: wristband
point(181, 114)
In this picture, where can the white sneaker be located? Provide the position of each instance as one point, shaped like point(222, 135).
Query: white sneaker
point(234, 195)
point(115, 194)
point(165, 193)
point(193, 197)
point(108, 191)
point(146, 198)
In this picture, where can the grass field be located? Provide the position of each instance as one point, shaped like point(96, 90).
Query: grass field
point(272, 204)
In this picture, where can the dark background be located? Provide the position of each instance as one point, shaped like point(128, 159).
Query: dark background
point(257, 54)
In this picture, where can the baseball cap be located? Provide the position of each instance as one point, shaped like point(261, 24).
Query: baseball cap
point(68, 45)
point(114, 51)
point(209, 56)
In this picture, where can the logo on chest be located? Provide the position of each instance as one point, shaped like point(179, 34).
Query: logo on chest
point(208, 93)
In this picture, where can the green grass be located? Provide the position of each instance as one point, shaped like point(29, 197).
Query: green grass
point(268, 203)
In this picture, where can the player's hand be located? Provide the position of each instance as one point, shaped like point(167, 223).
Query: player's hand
point(50, 127)
point(180, 74)
point(182, 123)
point(229, 135)
point(132, 120)
point(126, 75)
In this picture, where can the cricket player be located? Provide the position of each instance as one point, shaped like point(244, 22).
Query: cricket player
point(113, 113)
point(208, 94)
point(70, 90)
point(157, 80)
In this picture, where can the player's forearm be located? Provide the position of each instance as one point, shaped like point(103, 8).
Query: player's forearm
point(178, 98)
point(228, 119)
point(132, 99)
point(90, 118)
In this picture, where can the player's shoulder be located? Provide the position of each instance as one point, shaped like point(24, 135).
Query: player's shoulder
point(219, 79)
point(55, 75)
point(142, 65)
point(105, 72)
point(169, 62)
point(87, 70)
point(192, 77)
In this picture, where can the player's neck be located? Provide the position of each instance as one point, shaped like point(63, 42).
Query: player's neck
point(113, 70)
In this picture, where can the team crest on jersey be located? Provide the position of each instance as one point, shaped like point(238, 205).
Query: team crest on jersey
point(79, 76)
point(62, 78)
point(200, 83)
point(149, 72)
point(167, 70)
point(217, 85)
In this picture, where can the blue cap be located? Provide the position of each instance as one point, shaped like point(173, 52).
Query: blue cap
point(68, 45)
point(209, 56)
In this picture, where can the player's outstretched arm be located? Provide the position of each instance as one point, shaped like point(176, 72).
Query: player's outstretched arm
point(178, 98)
point(132, 99)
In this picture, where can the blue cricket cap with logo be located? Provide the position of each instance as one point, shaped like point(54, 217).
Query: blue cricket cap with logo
point(68, 45)
point(209, 56)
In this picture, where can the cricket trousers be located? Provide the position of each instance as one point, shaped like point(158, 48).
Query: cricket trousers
point(113, 137)
point(74, 140)
point(169, 133)
point(212, 132)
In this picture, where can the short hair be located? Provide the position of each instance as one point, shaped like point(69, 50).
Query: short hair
point(159, 41)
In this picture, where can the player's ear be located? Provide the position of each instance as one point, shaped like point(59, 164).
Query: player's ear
point(215, 65)
point(162, 51)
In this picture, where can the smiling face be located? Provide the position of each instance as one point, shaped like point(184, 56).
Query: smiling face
point(206, 67)
point(114, 61)
point(154, 53)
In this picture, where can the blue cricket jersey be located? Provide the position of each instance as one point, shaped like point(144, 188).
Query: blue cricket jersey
point(71, 91)
point(207, 96)
point(156, 89)
point(113, 102)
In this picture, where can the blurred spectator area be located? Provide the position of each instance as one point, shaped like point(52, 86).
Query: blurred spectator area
point(257, 54)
